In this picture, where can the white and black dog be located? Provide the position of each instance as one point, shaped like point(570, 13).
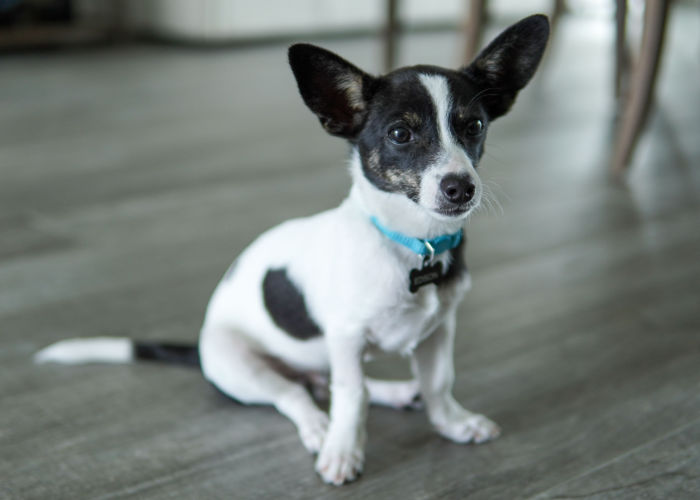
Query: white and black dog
point(384, 270)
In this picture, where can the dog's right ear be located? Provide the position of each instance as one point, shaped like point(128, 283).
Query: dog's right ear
point(335, 90)
point(505, 66)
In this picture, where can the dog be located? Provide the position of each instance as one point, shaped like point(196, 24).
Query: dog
point(384, 271)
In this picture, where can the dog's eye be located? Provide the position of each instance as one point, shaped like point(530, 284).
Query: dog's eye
point(475, 127)
point(400, 135)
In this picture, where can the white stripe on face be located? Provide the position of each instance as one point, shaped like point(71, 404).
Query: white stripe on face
point(453, 159)
point(439, 93)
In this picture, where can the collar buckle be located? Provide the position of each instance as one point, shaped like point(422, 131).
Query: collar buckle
point(428, 259)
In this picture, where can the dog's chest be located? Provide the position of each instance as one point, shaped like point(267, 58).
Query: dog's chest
point(399, 326)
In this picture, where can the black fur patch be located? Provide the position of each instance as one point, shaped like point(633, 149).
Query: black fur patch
point(458, 265)
point(467, 105)
point(167, 352)
point(400, 101)
point(287, 307)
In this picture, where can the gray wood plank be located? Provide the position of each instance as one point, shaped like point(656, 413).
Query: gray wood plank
point(665, 468)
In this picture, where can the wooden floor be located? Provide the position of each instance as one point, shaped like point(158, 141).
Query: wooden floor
point(130, 177)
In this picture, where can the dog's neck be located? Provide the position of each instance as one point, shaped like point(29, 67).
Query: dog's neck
point(395, 211)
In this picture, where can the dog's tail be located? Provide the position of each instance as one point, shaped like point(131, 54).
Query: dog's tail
point(117, 350)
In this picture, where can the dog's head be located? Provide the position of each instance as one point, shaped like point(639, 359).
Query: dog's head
point(418, 132)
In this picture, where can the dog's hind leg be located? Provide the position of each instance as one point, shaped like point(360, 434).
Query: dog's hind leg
point(233, 365)
point(399, 394)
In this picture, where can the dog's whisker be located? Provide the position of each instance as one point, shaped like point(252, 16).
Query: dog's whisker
point(489, 201)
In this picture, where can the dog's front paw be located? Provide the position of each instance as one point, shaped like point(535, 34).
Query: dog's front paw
point(340, 462)
point(469, 427)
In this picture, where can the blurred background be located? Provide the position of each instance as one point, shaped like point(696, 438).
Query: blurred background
point(144, 144)
point(54, 21)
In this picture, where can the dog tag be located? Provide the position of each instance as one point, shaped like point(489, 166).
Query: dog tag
point(424, 276)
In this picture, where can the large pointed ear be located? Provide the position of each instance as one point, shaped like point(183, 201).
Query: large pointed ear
point(507, 64)
point(335, 90)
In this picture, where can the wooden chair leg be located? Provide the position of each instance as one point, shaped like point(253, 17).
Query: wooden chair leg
point(557, 10)
point(555, 15)
point(391, 29)
point(620, 45)
point(641, 85)
point(473, 28)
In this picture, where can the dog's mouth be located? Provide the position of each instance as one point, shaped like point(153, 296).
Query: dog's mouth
point(455, 210)
point(452, 211)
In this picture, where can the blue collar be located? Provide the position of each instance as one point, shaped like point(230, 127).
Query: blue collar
point(426, 248)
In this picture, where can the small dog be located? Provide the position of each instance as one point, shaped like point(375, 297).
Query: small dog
point(383, 271)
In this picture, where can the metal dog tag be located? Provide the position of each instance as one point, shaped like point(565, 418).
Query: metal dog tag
point(424, 276)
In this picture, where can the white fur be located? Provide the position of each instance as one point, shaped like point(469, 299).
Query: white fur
point(92, 350)
point(437, 87)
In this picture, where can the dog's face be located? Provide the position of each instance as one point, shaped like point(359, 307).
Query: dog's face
point(419, 132)
point(423, 137)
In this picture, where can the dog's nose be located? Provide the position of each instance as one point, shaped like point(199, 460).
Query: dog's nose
point(457, 189)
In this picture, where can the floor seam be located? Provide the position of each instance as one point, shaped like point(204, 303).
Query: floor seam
point(617, 458)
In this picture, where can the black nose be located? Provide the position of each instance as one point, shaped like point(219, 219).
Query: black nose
point(457, 189)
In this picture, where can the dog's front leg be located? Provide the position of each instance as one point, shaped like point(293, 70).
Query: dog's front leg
point(342, 453)
point(433, 365)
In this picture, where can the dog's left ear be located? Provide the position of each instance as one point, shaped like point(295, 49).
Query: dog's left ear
point(507, 64)
point(334, 89)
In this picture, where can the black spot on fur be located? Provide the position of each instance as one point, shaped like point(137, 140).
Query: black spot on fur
point(286, 306)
